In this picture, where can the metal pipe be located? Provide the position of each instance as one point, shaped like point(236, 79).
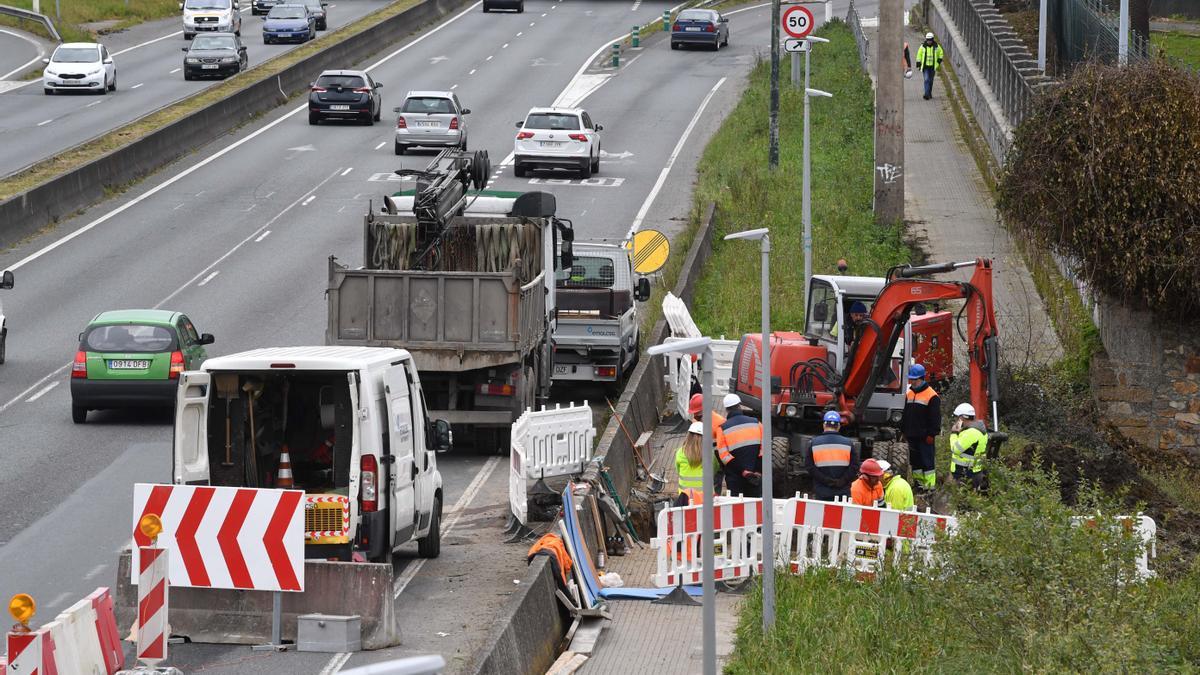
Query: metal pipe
point(1123, 38)
point(1042, 14)
point(768, 491)
point(708, 584)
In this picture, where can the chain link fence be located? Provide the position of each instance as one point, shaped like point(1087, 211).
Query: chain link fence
point(1089, 30)
point(860, 38)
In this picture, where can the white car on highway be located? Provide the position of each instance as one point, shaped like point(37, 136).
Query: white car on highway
point(557, 138)
point(79, 65)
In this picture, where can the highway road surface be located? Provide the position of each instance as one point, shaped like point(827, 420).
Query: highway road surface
point(237, 235)
point(19, 52)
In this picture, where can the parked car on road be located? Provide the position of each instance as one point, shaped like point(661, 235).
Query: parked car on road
point(345, 94)
point(489, 5)
point(557, 138)
point(133, 358)
point(79, 65)
point(289, 23)
point(215, 55)
point(212, 16)
point(700, 27)
point(431, 119)
point(318, 9)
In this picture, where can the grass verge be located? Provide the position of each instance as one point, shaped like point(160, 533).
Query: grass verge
point(76, 13)
point(733, 173)
point(89, 151)
point(1183, 47)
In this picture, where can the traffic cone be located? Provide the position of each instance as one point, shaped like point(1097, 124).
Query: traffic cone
point(283, 478)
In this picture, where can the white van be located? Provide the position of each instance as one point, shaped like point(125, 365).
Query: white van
point(353, 422)
point(215, 16)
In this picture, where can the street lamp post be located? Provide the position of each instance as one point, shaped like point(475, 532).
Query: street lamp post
point(807, 198)
point(702, 347)
point(763, 235)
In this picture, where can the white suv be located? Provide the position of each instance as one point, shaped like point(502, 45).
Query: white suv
point(557, 138)
point(79, 65)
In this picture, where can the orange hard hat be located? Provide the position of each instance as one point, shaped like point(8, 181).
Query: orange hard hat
point(696, 404)
point(871, 468)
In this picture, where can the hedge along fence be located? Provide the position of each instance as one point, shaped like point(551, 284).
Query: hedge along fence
point(1105, 171)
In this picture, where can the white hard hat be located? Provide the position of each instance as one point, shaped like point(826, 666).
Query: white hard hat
point(696, 428)
point(885, 465)
point(929, 36)
point(964, 410)
point(731, 400)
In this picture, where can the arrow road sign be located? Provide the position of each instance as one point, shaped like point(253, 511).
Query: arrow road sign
point(798, 21)
point(794, 45)
point(224, 537)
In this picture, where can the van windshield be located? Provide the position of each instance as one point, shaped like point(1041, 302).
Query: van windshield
point(206, 4)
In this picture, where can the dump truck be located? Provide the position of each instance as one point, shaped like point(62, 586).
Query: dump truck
point(469, 293)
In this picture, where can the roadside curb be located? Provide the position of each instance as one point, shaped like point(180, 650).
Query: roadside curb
point(62, 196)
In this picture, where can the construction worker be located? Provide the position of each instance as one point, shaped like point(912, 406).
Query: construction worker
point(868, 489)
point(929, 60)
point(968, 446)
point(689, 465)
point(897, 493)
point(696, 409)
point(857, 314)
point(832, 460)
point(740, 449)
point(921, 423)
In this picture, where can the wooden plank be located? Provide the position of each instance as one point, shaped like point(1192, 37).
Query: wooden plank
point(567, 663)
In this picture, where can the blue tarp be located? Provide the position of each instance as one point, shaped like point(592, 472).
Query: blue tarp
point(645, 593)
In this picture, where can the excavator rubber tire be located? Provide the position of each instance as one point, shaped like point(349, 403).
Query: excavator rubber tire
point(481, 169)
point(780, 457)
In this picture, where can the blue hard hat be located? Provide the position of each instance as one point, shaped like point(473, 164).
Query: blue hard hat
point(916, 372)
point(858, 308)
point(832, 417)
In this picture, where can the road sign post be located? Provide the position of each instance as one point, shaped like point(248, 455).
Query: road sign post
point(635, 37)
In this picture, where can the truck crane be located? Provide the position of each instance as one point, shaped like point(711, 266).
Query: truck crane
point(868, 389)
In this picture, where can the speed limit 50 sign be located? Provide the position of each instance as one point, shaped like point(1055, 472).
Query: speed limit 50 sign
point(798, 21)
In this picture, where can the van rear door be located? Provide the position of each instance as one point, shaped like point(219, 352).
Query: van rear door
point(191, 429)
point(400, 438)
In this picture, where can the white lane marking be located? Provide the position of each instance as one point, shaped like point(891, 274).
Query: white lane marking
point(95, 571)
point(175, 71)
point(41, 393)
point(662, 176)
point(348, 170)
point(532, 24)
point(201, 192)
point(250, 208)
point(262, 236)
point(454, 87)
point(44, 122)
point(93, 103)
point(137, 85)
point(59, 599)
point(636, 5)
point(189, 171)
point(488, 58)
point(504, 46)
point(381, 144)
point(178, 207)
point(520, 34)
point(148, 42)
point(308, 201)
point(268, 195)
point(543, 14)
point(209, 278)
point(472, 71)
point(335, 663)
point(36, 45)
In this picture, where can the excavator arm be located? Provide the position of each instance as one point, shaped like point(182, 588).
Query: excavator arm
point(890, 314)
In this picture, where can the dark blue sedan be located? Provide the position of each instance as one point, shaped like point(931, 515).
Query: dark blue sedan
point(700, 27)
point(289, 23)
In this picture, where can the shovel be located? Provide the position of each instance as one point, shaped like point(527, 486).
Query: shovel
point(228, 390)
point(657, 482)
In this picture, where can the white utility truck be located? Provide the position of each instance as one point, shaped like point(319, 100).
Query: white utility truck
point(352, 421)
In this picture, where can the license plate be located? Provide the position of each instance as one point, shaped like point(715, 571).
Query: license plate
point(692, 29)
point(432, 123)
point(339, 107)
point(562, 370)
point(209, 66)
point(127, 364)
point(550, 144)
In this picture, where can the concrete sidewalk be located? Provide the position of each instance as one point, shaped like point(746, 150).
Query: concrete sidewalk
point(952, 214)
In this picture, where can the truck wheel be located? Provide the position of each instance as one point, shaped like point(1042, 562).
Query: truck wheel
point(780, 457)
point(3, 344)
point(430, 546)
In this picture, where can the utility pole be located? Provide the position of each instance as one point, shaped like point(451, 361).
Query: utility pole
point(889, 116)
point(773, 154)
point(1123, 38)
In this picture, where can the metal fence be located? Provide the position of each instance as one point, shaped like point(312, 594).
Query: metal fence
point(26, 15)
point(1089, 30)
point(860, 38)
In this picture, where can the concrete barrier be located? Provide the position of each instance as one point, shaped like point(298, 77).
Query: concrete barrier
point(244, 617)
point(62, 196)
point(526, 636)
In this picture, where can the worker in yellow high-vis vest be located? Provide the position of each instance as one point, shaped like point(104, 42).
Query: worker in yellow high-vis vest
point(929, 60)
point(689, 465)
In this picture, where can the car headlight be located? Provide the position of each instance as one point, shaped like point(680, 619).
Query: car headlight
point(191, 60)
point(227, 59)
point(49, 72)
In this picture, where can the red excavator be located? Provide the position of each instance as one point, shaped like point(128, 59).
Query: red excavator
point(859, 368)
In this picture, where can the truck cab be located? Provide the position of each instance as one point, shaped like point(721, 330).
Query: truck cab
point(351, 420)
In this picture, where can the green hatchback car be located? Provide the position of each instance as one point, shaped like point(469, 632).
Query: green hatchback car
point(133, 358)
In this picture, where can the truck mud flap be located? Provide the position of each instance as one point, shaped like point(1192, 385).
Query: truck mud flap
point(244, 617)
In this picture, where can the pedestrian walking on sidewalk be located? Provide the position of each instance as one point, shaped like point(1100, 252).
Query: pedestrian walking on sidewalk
point(740, 449)
point(689, 465)
point(897, 493)
point(968, 446)
point(921, 424)
point(696, 410)
point(929, 59)
point(832, 460)
point(868, 489)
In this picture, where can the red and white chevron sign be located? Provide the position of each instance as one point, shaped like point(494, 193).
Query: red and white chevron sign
point(152, 605)
point(224, 537)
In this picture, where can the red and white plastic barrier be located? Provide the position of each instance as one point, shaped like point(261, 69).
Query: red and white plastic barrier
point(106, 630)
point(31, 653)
point(1147, 531)
point(152, 605)
point(737, 528)
point(83, 639)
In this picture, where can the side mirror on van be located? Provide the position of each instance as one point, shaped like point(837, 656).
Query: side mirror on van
point(820, 312)
point(443, 437)
point(207, 339)
point(641, 292)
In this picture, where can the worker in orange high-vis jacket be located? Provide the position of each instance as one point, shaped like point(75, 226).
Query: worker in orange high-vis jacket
point(868, 489)
point(740, 449)
point(696, 410)
point(832, 460)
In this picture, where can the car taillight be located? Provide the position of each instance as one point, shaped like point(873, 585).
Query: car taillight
point(176, 365)
point(318, 90)
point(606, 371)
point(454, 123)
point(710, 28)
point(677, 28)
point(400, 123)
point(524, 135)
point(367, 474)
point(577, 137)
point(79, 368)
point(494, 389)
point(362, 90)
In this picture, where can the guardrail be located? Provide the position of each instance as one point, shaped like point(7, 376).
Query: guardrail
point(26, 15)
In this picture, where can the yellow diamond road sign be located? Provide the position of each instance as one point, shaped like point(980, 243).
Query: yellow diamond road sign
point(650, 251)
